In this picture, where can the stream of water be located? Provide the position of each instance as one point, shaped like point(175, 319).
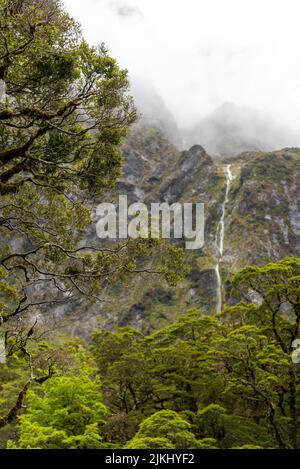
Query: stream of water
point(221, 235)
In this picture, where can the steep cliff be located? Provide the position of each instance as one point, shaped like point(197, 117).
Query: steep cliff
point(261, 222)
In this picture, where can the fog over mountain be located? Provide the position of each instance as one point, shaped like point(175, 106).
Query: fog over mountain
point(231, 129)
point(199, 55)
point(153, 111)
point(227, 131)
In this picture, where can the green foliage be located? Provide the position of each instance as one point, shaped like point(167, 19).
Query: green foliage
point(231, 376)
point(66, 108)
point(64, 412)
point(229, 430)
point(164, 428)
point(202, 382)
point(150, 443)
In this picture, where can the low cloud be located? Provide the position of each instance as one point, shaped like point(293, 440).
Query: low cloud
point(200, 54)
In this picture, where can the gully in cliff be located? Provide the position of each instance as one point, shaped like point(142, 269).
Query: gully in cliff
point(161, 220)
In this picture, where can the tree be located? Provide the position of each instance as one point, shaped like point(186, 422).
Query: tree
point(229, 430)
point(64, 412)
point(164, 429)
point(168, 369)
point(31, 362)
point(63, 115)
point(65, 108)
point(264, 367)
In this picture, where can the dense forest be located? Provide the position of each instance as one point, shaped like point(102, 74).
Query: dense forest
point(225, 380)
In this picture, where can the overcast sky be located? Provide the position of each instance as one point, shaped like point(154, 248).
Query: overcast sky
point(201, 53)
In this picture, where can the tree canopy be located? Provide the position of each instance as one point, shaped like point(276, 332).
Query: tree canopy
point(231, 376)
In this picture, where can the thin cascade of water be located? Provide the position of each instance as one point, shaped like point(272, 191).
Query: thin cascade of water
point(221, 236)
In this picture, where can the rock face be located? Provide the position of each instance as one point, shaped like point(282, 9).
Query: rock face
point(263, 219)
point(262, 223)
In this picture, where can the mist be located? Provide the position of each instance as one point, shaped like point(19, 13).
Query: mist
point(186, 59)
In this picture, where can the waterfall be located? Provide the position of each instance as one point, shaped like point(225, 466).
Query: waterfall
point(221, 235)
